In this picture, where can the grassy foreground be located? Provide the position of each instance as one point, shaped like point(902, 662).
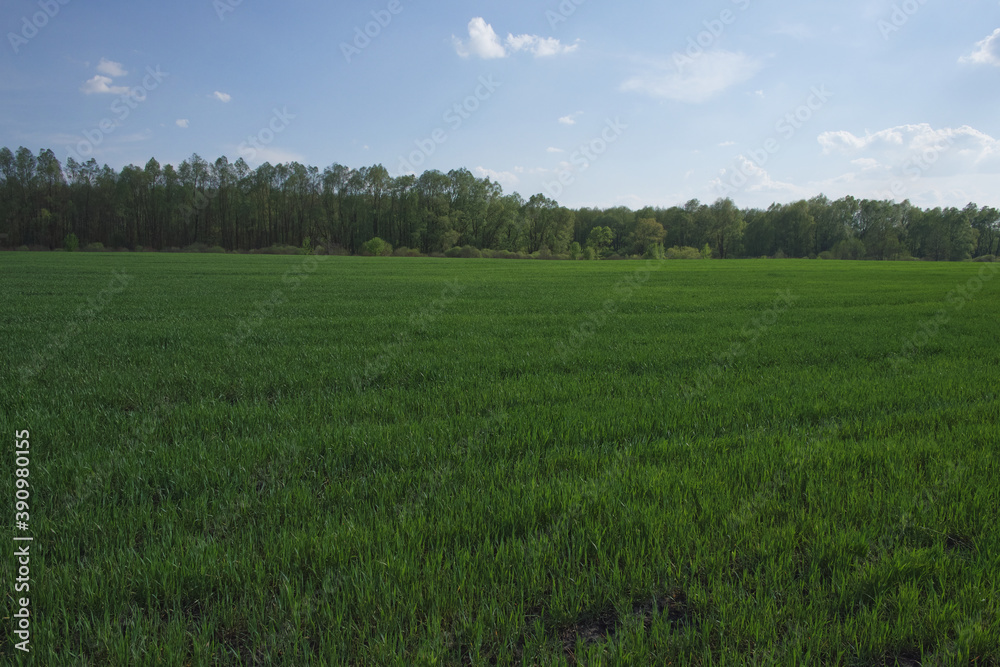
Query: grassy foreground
point(308, 461)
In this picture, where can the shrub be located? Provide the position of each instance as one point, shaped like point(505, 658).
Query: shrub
point(217, 249)
point(849, 249)
point(413, 252)
point(683, 252)
point(376, 247)
point(706, 252)
point(575, 251)
point(400, 251)
point(96, 246)
point(196, 247)
point(454, 251)
point(71, 243)
point(589, 253)
point(470, 252)
point(654, 251)
point(279, 249)
point(826, 254)
point(985, 258)
point(23, 248)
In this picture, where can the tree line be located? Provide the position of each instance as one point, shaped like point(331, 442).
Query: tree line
point(233, 207)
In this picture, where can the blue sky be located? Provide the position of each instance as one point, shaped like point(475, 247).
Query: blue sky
point(593, 103)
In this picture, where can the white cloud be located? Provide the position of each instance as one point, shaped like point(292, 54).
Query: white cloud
point(551, 149)
point(962, 148)
point(760, 180)
point(695, 80)
point(540, 47)
point(484, 43)
point(570, 119)
point(724, 144)
point(867, 163)
point(919, 162)
point(182, 122)
point(504, 178)
point(110, 68)
point(988, 52)
point(102, 84)
point(222, 97)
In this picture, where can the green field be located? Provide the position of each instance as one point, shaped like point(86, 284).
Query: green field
point(245, 460)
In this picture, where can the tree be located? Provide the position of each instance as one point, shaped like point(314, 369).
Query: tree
point(726, 225)
point(648, 233)
point(794, 229)
point(599, 239)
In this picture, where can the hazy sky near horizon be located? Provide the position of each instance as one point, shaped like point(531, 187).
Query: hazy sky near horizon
point(592, 103)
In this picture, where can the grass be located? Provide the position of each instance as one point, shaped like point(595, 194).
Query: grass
point(280, 460)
